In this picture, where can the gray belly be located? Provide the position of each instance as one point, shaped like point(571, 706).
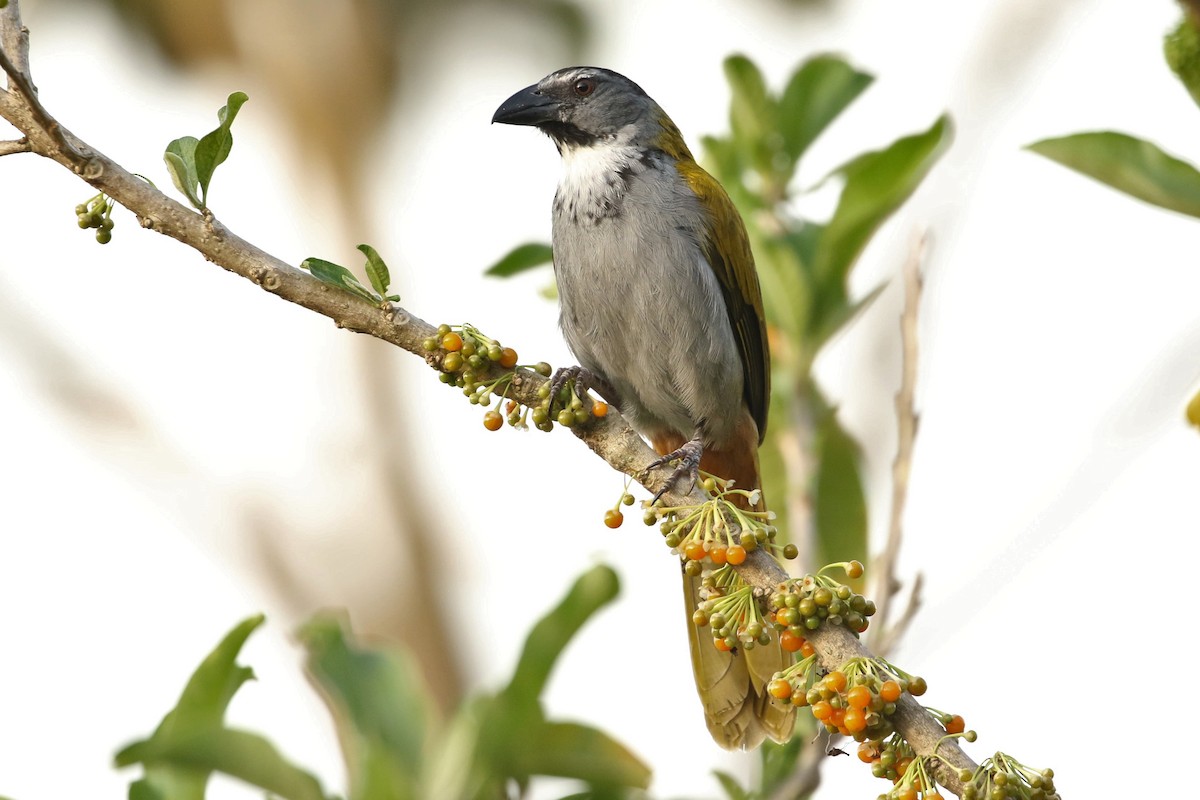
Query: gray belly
point(641, 307)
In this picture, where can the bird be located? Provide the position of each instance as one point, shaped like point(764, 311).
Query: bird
point(660, 303)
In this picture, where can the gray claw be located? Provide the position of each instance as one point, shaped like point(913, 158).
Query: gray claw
point(689, 464)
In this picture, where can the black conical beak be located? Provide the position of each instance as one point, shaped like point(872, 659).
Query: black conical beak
point(527, 107)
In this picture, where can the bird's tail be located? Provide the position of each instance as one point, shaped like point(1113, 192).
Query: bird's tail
point(733, 685)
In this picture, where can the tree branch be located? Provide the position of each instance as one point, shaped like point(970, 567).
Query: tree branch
point(609, 437)
point(8, 147)
point(884, 635)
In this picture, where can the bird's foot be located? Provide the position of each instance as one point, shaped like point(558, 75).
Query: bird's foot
point(688, 456)
point(583, 379)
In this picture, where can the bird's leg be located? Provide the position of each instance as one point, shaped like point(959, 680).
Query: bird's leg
point(688, 455)
point(584, 379)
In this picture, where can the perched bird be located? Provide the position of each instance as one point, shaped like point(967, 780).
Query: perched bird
point(660, 302)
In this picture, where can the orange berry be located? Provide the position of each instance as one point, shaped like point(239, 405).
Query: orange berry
point(613, 518)
point(780, 689)
point(508, 358)
point(694, 550)
point(933, 796)
point(799, 698)
point(855, 720)
point(719, 553)
point(452, 342)
point(890, 691)
point(859, 697)
point(956, 724)
point(868, 752)
point(790, 641)
point(838, 717)
point(721, 645)
point(806, 649)
point(907, 793)
point(600, 409)
point(836, 680)
point(735, 554)
point(822, 710)
point(854, 569)
point(493, 421)
point(510, 406)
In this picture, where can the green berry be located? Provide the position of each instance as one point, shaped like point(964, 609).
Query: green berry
point(430, 344)
point(566, 418)
point(543, 369)
point(790, 551)
point(442, 330)
point(103, 236)
point(453, 362)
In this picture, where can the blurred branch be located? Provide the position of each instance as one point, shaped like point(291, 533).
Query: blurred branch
point(609, 437)
point(884, 635)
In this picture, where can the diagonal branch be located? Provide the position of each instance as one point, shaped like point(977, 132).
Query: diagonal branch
point(609, 437)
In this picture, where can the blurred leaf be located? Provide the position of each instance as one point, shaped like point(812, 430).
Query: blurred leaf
point(1128, 164)
point(1181, 47)
point(240, 754)
point(817, 93)
point(876, 184)
point(201, 706)
point(377, 271)
point(339, 276)
point(180, 157)
point(1193, 411)
point(456, 770)
point(733, 790)
point(752, 112)
point(521, 258)
point(777, 762)
point(592, 591)
point(571, 750)
point(839, 507)
point(839, 317)
point(378, 699)
point(214, 148)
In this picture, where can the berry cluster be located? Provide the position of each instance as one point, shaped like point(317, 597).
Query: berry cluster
point(97, 213)
point(719, 531)
point(729, 607)
point(856, 700)
point(469, 360)
point(1002, 777)
point(806, 603)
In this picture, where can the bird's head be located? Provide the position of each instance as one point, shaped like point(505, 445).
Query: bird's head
point(584, 106)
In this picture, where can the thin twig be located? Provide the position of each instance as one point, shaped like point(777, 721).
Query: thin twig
point(884, 634)
point(609, 437)
point(8, 147)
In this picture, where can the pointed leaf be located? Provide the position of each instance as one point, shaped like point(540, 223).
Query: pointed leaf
point(753, 113)
point(214, 148)
point(843, 314)
point(1130, 165)
point(571, 750)
point(591, 591)
point(201, 707)
point(239, 754)
point(819, 91)
point(839, 507)
point(180, 157)
point(377, 271)
point(877, 183)
point(339, 276)
point(732, 788)
point(521, 258)
point(379, 701)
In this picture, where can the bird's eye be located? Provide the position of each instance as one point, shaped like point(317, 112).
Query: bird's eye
point(584, 87)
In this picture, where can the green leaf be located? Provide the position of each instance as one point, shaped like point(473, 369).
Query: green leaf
point(816, 94)
point(377, 271)
point(239, 754)
point(214, 148)
point(180, 157)
point(521, 258)
point(753, 113)
point(339, 276)
point(876, 184)
point(379, 701)
point(732, 788)
point(571, 750)
point(592, 591)
point(1130, 165)
point(1181, 47)
point(839, 507)
point(201, 706)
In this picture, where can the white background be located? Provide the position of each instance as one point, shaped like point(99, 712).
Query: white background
point(1053, 505)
